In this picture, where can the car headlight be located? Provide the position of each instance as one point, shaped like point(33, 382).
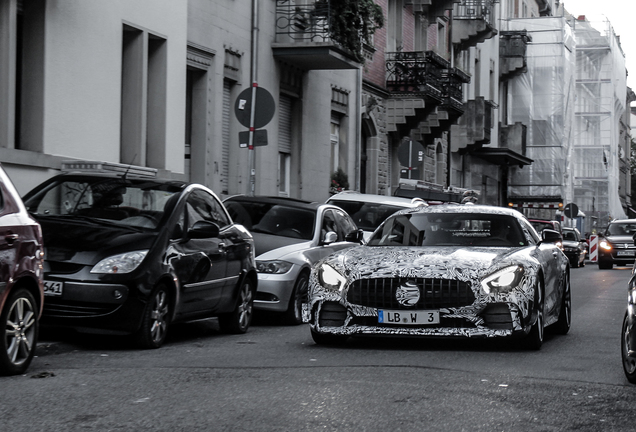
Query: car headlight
point(273, 267)
point(604, 244)
point(122, 263)
point(504, 280)
point(330, 278)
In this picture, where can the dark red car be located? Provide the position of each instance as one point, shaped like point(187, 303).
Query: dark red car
point(21, 285)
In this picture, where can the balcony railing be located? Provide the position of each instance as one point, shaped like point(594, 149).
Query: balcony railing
point(475, 9)
point(416, 72)
point(453, 90)
point(303, 23)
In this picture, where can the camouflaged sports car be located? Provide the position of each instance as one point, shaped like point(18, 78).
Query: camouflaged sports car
point(444, 271)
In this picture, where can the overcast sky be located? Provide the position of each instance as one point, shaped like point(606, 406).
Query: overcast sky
point(622, 16)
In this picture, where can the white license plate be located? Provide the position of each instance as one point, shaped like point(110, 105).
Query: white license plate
point(625, 253)
point(53, 288)
point(416, 317)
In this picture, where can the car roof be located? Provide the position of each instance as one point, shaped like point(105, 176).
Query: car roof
point(465, 209)
point(132, 177)
point(372, 198)
point(623, 221)
point(290, 202)
point(544, 221)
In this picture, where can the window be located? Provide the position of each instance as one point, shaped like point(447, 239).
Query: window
point(203, 206)
point(335, 143)
point(284, 168)
point(143, 98)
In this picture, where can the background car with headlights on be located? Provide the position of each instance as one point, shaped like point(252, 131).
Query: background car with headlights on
point(574, 247)
point(129, 254)
point(616, 244)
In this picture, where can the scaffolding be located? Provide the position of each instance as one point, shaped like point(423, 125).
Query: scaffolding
point(543, 100)
point(600, 104)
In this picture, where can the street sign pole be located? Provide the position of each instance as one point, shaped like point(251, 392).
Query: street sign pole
point(250, 144)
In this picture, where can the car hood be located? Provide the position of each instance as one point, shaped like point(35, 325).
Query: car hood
point(366, 262)
point(620, 239)
point(570, 243)
point(87, 243)
point(269, 247)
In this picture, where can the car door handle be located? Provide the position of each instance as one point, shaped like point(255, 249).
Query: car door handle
point(11, 238)
point(221, 247)
point(555, 254)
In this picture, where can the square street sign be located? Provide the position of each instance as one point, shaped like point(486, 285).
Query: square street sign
point(260, 138)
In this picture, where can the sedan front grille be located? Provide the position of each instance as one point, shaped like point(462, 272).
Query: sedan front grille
point(434, 293)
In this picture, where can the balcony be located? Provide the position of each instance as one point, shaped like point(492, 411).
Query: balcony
point(512, 53)
point(446, 114)
point(416, 83)
point(474, 127)
point(512, 150)
point(303, 38)
point(473, 22)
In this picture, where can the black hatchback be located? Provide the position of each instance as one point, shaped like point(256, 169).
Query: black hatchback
point(130, 254)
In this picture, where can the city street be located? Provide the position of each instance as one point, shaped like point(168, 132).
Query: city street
point(274, 378)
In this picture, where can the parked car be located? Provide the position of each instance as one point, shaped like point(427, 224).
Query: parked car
point(21, 284)
point(368, 211)
point(574, 246)
point(290, 235)
point(616, 244)
point(129, 254)
point(444, 271)
point(541, 224)
point(628, 333)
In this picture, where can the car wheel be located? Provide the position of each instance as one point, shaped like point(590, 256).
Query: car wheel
point(19, 320)
point(605, 265)
point(156, 318)
point(629, 363)
point(239, 320)
point(562, 326)
point(328, 338)
point(534, 340)
point(294, 313)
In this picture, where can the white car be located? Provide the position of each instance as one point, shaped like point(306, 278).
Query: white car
point(290, 236)
point(368, 211)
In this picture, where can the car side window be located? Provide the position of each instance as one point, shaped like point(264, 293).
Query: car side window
point(528, 232)
point(329, 225)
point(203, 206)
point(344, 223)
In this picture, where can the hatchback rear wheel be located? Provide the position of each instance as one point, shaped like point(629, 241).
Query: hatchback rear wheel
point(19, 320)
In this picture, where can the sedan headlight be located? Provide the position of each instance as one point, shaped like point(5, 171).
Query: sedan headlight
point(273, 267)
point(504, 280)
point(122, 263)
point(330, 278)
point(604, 244)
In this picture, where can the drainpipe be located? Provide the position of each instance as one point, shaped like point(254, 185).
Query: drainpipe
point(358, 115)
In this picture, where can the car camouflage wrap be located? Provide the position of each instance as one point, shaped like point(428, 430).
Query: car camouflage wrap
point(454, 286)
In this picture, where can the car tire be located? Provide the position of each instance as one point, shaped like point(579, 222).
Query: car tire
point(238, 321)
point(534, 340)
point(629, 364)
point(156, 319)
point(605, 265)
point(562, 326)
point(328, 338)
point(19, 319)
point(294, 313)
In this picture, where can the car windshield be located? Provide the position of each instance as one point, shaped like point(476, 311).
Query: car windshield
point(275, 219)
point(450, 229)
point(570, 235)
point(627, 229)
point(123, 201)
point(367, 216)
point(540, 226)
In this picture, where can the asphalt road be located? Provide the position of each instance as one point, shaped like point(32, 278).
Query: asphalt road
point(274, 378)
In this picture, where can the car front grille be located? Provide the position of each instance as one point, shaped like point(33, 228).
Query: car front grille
point(434, 293)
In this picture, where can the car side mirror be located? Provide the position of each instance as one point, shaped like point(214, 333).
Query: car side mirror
point(355, 236)
point(330, 237)
point(203, 229)
point(550, 236)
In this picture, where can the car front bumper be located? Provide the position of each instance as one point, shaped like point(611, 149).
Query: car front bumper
point(274, 290)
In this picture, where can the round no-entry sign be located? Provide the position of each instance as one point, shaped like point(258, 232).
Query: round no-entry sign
point(263, 111)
